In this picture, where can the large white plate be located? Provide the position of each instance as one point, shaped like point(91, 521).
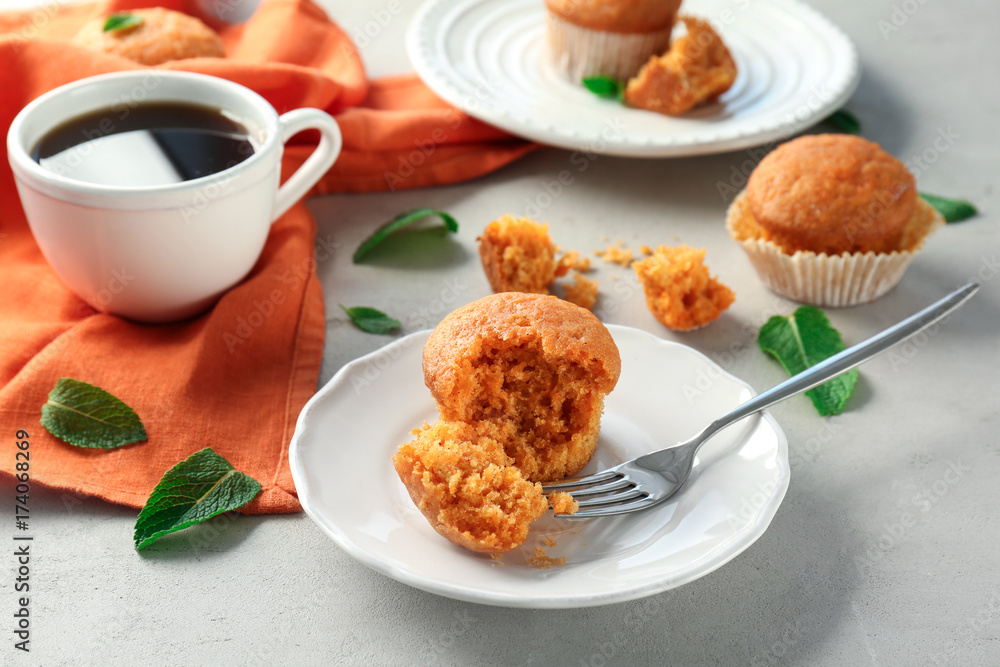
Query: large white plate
point(488, 58)
point(346, 435)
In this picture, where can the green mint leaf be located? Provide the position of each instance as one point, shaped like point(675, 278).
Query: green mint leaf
point(371, 320)
point(953, 210)
point(605, 86)
point(397, 223)
point(122, 22)
point(87, 416)
point(844, 121)
point(802, 340)
point(198, 488)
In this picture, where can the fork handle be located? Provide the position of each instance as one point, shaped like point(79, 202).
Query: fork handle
point(843, 361)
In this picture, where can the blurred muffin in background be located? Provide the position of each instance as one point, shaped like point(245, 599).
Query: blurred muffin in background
point(610, 38)
point(154, 36)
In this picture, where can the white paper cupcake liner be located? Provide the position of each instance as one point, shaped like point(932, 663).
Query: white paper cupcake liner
point(835, 281)
point(578, 52)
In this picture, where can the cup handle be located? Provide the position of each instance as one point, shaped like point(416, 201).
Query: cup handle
point(317, 164)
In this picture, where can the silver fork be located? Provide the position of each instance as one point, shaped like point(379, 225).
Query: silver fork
point(651, 479)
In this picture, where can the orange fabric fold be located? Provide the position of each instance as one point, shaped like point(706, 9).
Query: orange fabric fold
point(236, 378)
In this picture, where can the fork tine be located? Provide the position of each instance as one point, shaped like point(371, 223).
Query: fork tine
point(596, 478)
point(619, 484)
point(611, 510)
point(613, 499)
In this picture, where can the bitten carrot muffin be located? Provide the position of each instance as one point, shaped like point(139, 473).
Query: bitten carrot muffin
point(607, 37)
point(518, 255)
point(831, 219)
point(466, 487)
point(162, 35)
point(697, 68)
point(679, 290)
point(530, 371)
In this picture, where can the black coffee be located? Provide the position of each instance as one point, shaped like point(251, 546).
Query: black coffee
point(149, 144)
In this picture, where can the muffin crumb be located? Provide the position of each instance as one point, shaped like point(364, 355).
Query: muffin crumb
point(572, 259)
point(582, 292)
point(615, 255)
point(562, 503)
point(543, 561)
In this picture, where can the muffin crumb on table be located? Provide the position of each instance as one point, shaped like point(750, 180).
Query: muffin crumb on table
point(616, 255)
point(582, 291)
point(572, 259)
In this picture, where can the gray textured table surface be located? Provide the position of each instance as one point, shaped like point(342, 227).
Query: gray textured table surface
point(884, 551)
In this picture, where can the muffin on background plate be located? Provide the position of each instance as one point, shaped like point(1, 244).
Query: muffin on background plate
point(161, 35)
point(831, 220)
point(612, 38)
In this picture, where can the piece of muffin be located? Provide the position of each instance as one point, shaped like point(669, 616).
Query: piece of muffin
point(162, 35)
point(465, 485)
point(697, 68)
point(610, 38)
point(831, 220)
point(518, 255)
point(679, 290)
point(531, 372)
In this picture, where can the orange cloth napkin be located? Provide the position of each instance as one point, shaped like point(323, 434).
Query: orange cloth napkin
point(235, 378)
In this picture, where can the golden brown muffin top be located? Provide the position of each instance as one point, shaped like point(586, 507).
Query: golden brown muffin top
point(628, 16)
point(832, 193)
point(162, 36)
point(560, 329)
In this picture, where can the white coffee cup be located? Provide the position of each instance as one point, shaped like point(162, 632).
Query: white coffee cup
point(164, 252)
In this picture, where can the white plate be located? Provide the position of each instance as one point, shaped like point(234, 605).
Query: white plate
point(341, 462)
point(488, 58)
